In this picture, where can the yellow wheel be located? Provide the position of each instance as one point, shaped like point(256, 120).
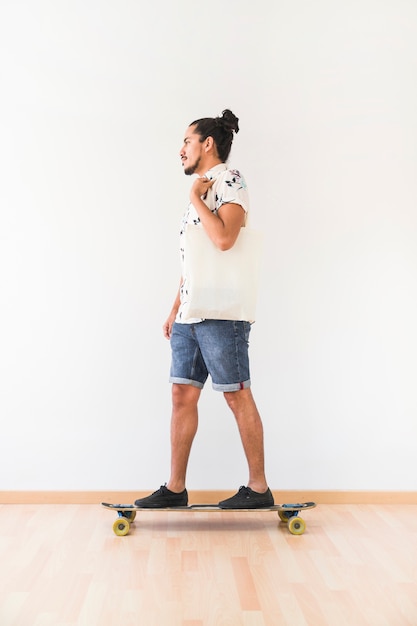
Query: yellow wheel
point(121, 527)
point(130, 515)
point(296, 525)
point(283, 516)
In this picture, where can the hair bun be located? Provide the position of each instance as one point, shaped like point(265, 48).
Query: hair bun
point(229, 121)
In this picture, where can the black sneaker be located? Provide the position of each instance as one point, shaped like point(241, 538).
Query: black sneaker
point(246, 498)
point(163, 499)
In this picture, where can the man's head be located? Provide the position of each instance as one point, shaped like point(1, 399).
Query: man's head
point(207, 142)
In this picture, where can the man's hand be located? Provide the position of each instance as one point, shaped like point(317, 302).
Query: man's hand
point(167, 327)
point(200, 187)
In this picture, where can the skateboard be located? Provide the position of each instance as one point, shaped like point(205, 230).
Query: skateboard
point(287, 513)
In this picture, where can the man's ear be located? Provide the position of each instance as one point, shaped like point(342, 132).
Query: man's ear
point(209, 144)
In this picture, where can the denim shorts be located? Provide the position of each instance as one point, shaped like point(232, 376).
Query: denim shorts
point(215, 347)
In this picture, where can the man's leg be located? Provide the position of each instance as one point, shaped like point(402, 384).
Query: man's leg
point(184, 423)
point(251, 432)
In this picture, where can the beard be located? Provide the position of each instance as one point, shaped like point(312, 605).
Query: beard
point(188, 171)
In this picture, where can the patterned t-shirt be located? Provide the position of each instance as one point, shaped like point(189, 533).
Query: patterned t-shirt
point(229, 187)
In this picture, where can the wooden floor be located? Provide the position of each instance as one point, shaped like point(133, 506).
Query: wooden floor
point(63, 566)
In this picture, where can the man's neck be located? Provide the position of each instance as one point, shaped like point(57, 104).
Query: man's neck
point(208, 165)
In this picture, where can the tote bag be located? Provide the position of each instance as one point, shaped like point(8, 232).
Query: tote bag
point(222, 284)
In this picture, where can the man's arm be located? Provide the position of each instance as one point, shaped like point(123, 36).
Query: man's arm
point(223, 228)
point(167, 326)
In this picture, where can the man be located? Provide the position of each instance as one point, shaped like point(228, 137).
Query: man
point(218, 203)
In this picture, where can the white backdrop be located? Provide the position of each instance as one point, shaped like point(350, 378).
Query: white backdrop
point(95, 98)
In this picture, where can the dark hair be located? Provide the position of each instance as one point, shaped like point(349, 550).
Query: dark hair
point(221, 129)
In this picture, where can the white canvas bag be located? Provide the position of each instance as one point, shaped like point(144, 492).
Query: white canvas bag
point(222, 284)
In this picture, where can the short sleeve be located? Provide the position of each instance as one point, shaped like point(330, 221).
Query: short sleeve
point(230, 187)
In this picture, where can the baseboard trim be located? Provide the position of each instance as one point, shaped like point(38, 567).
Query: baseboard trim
point(321, 497)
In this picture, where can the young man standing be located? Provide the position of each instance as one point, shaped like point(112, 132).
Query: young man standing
point(218, 203)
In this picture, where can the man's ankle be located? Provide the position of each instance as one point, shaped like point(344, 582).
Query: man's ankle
point(175, 487)
point(258, 487)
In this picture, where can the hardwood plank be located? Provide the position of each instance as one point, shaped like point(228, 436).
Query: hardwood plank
point(245, 585)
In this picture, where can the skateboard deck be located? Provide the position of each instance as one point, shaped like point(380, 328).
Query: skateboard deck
point(288, 513)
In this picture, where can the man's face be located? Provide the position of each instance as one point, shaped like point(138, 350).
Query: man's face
point(191, 152)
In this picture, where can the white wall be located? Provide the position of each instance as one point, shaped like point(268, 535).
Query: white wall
point(95, 98)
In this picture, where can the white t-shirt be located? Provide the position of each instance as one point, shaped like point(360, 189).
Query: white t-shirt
point(229, 187)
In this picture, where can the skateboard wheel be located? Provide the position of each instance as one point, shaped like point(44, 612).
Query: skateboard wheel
point(283, 516)
point(130, 515)
point(121, 527)
point(296, 525)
